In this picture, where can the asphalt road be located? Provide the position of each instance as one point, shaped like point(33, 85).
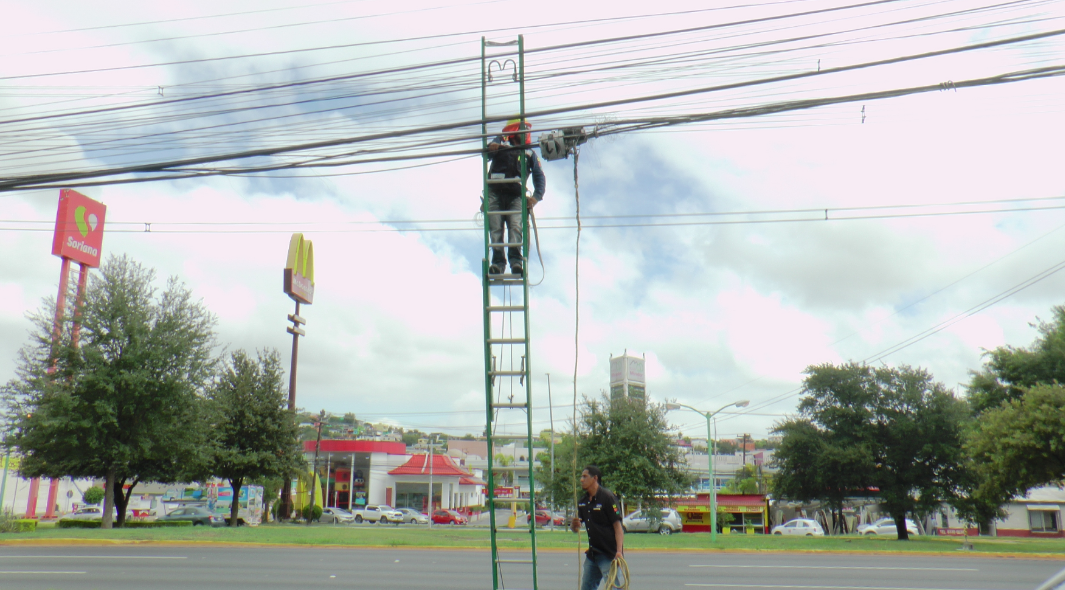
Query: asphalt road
point(128, 567)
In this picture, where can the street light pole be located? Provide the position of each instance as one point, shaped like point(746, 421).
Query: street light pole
point(709, 438)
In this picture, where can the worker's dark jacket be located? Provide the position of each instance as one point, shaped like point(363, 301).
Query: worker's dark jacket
point(599, 513)
point(506, 160)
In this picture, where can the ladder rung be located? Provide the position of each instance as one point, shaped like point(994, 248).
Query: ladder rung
point(509, 468)
point(506, 341)
point(510, 436)
point(504, 280)
point(528, 561)
point(518, 212)
point(506, 308)
point(507, 245)
point(508, 406)
point(506, 373)
point(517, 529)
point(515, 180)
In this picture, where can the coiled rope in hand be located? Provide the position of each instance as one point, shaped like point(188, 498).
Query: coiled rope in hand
point(619, 569)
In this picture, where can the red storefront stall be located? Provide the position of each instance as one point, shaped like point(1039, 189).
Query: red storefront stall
point(750, 513)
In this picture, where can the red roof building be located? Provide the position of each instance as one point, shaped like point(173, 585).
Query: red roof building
point(442, 466)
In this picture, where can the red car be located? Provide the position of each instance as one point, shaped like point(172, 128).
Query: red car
point(448, 517)
point(543, 517)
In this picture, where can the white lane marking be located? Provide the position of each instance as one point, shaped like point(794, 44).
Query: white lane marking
point(90, 557)
point(840, 567)
point(33, 572)
point(816, 587)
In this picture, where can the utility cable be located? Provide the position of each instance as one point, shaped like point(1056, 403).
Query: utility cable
point(576, 346)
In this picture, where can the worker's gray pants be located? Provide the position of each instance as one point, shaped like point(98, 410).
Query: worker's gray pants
point(513, 223)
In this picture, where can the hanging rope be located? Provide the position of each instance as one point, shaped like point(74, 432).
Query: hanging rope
point(577, 348)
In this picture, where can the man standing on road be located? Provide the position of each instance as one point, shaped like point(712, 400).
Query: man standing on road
point(599, 512)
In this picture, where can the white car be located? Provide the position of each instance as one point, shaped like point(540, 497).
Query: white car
point(383, 514)
point(803, 527)
point(886, 526)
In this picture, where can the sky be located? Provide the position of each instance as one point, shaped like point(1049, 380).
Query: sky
point(920, 230)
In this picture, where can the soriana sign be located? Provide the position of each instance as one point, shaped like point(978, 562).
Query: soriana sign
point(299, 270)
point(79, 228)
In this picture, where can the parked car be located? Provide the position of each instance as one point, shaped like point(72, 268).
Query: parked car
point(543, 517)
point(886, 526)
point(86, 513)
point(198, 515)
point(413, 516)
point(640, 521)
point(383, 514)
point(337, 515)
point(448, 517)
point(803, 527)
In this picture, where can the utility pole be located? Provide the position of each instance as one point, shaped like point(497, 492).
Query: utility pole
point(554, 470)
point(314, 472)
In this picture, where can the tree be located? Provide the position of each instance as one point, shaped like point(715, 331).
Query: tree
point(124, 405)
point(254, 435)
point(629, 441)
point(745, 481)
point(1015, 447)
point(893, 429)
point(725, 447)
point(558, 480)
point(1009, 372)
point(93, 495)
point(815, 464)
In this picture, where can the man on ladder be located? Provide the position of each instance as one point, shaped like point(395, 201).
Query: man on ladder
point(506, 163)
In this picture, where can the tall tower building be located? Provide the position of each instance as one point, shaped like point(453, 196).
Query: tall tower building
point(627, 377)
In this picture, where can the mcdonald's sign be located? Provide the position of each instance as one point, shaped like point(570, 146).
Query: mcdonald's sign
point(299, 270)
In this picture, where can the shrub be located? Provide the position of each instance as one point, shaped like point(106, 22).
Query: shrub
point(10, 524)
point(307, 512)
point(93, 495)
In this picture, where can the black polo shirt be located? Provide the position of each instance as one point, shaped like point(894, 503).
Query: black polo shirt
point(599, 513)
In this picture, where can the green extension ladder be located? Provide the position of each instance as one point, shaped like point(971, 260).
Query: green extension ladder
point(501, 309)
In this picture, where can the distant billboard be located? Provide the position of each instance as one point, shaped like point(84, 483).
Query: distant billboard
point(79, 228)
point(627, 369)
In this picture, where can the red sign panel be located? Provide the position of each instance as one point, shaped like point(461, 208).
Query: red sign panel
point(79, 228)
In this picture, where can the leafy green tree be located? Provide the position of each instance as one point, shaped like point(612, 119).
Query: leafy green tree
point(817, 464)
point(894, 429)
point(629, 441)
point(253, 434)
point(745, 481)
point(93, 495)
point(1009, 372)
point(1018, 446)
point(558, 480)
point(725, 447)
point(125, 404)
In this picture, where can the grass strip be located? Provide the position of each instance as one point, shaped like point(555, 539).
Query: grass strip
point(478, 538)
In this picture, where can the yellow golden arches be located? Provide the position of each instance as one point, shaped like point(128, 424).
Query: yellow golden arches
point(301, 256)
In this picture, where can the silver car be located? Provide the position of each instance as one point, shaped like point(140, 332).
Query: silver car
point(337, 515)
point(666, 524)
point(413, 516)
point(886, 526)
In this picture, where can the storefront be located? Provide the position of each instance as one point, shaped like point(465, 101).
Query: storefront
point(746, 514)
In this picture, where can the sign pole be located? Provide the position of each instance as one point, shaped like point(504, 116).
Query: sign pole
point(298, 285)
